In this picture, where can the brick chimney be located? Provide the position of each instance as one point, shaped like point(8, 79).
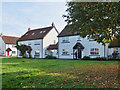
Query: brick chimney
point(29, 29)
point(53, 24)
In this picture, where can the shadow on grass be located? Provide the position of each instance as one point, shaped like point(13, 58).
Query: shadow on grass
point(36, 79)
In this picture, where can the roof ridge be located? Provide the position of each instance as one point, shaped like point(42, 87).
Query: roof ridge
point(10, 36)
point(40, 28)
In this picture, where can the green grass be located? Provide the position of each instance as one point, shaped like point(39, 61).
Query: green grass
point(43, 73)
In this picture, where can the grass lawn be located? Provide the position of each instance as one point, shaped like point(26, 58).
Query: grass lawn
point(43, 73)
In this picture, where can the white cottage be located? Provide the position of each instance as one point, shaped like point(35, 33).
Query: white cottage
point(114, 48)
point(39, 40)
point(7, 45)
point(69, 42)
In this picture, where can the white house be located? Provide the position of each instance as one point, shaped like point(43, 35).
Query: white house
point(39, 40)
point(7, 45)
point(69, 42)
point(114, 47)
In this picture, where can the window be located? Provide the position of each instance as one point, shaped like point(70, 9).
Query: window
point(33, 33)
point(40, 31)
point(37, 53)
point(44, 31)
point(36, 43)
point(78, 38)
point(91, 39)
point(29, 43)
point(65, 52)
point(57, 52)
point(115, 50)
point(13, 45)
point(45, 52)
point(65, 39)
point(94, 51)
point(51, 53)
point(13, 52)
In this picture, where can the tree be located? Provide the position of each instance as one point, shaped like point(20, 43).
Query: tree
point(22, 49)
point(29, 49)
point(97, 20)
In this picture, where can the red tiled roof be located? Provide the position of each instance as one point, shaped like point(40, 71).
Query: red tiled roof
point(10, 39)
point(35, 34)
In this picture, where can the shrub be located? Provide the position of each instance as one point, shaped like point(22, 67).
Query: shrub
point(50, 57)
point(30, 56)
point(100, 58)
point(86, 57)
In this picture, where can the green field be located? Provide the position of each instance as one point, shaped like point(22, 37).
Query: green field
point(44, 73)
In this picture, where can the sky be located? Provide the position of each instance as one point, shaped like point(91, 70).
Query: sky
point(17, 17)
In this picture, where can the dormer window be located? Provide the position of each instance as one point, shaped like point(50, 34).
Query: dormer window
point(33, 33)
point(44, 31)
point(40, 31)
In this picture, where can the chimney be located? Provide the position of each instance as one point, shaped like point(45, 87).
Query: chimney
point(53, 24)
point(29, 29)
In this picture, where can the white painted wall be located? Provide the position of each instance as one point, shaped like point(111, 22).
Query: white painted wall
point(33, 46)
point(49, 39)
point(13, 48)
point(2, 47)
point(84, 41)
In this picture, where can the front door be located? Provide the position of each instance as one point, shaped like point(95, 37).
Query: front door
point(79, 53)
point(8, 53)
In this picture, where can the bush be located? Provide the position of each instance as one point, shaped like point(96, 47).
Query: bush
point(30, 56)
point(99, 58)
point(50, 57)
point(86, 57)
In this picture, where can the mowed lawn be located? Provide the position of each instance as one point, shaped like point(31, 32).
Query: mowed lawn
point(44, 73)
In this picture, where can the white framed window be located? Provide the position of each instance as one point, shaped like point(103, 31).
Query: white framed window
point(13, 45)
point(33, 33)
point(65, 52)
point(65, 39)
point(37, 52)
point(41, 32)
point(29, 43)
point(94, 51)
point(45, 52)
point(91, 39)
point(44, 31)
point(36, 43)
point(13, 52)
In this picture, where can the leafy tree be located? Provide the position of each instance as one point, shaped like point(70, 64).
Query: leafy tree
point(29, 49)
point(97, 20)
point(22, 49)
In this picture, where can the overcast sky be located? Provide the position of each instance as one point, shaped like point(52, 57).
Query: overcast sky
point(17, 17)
